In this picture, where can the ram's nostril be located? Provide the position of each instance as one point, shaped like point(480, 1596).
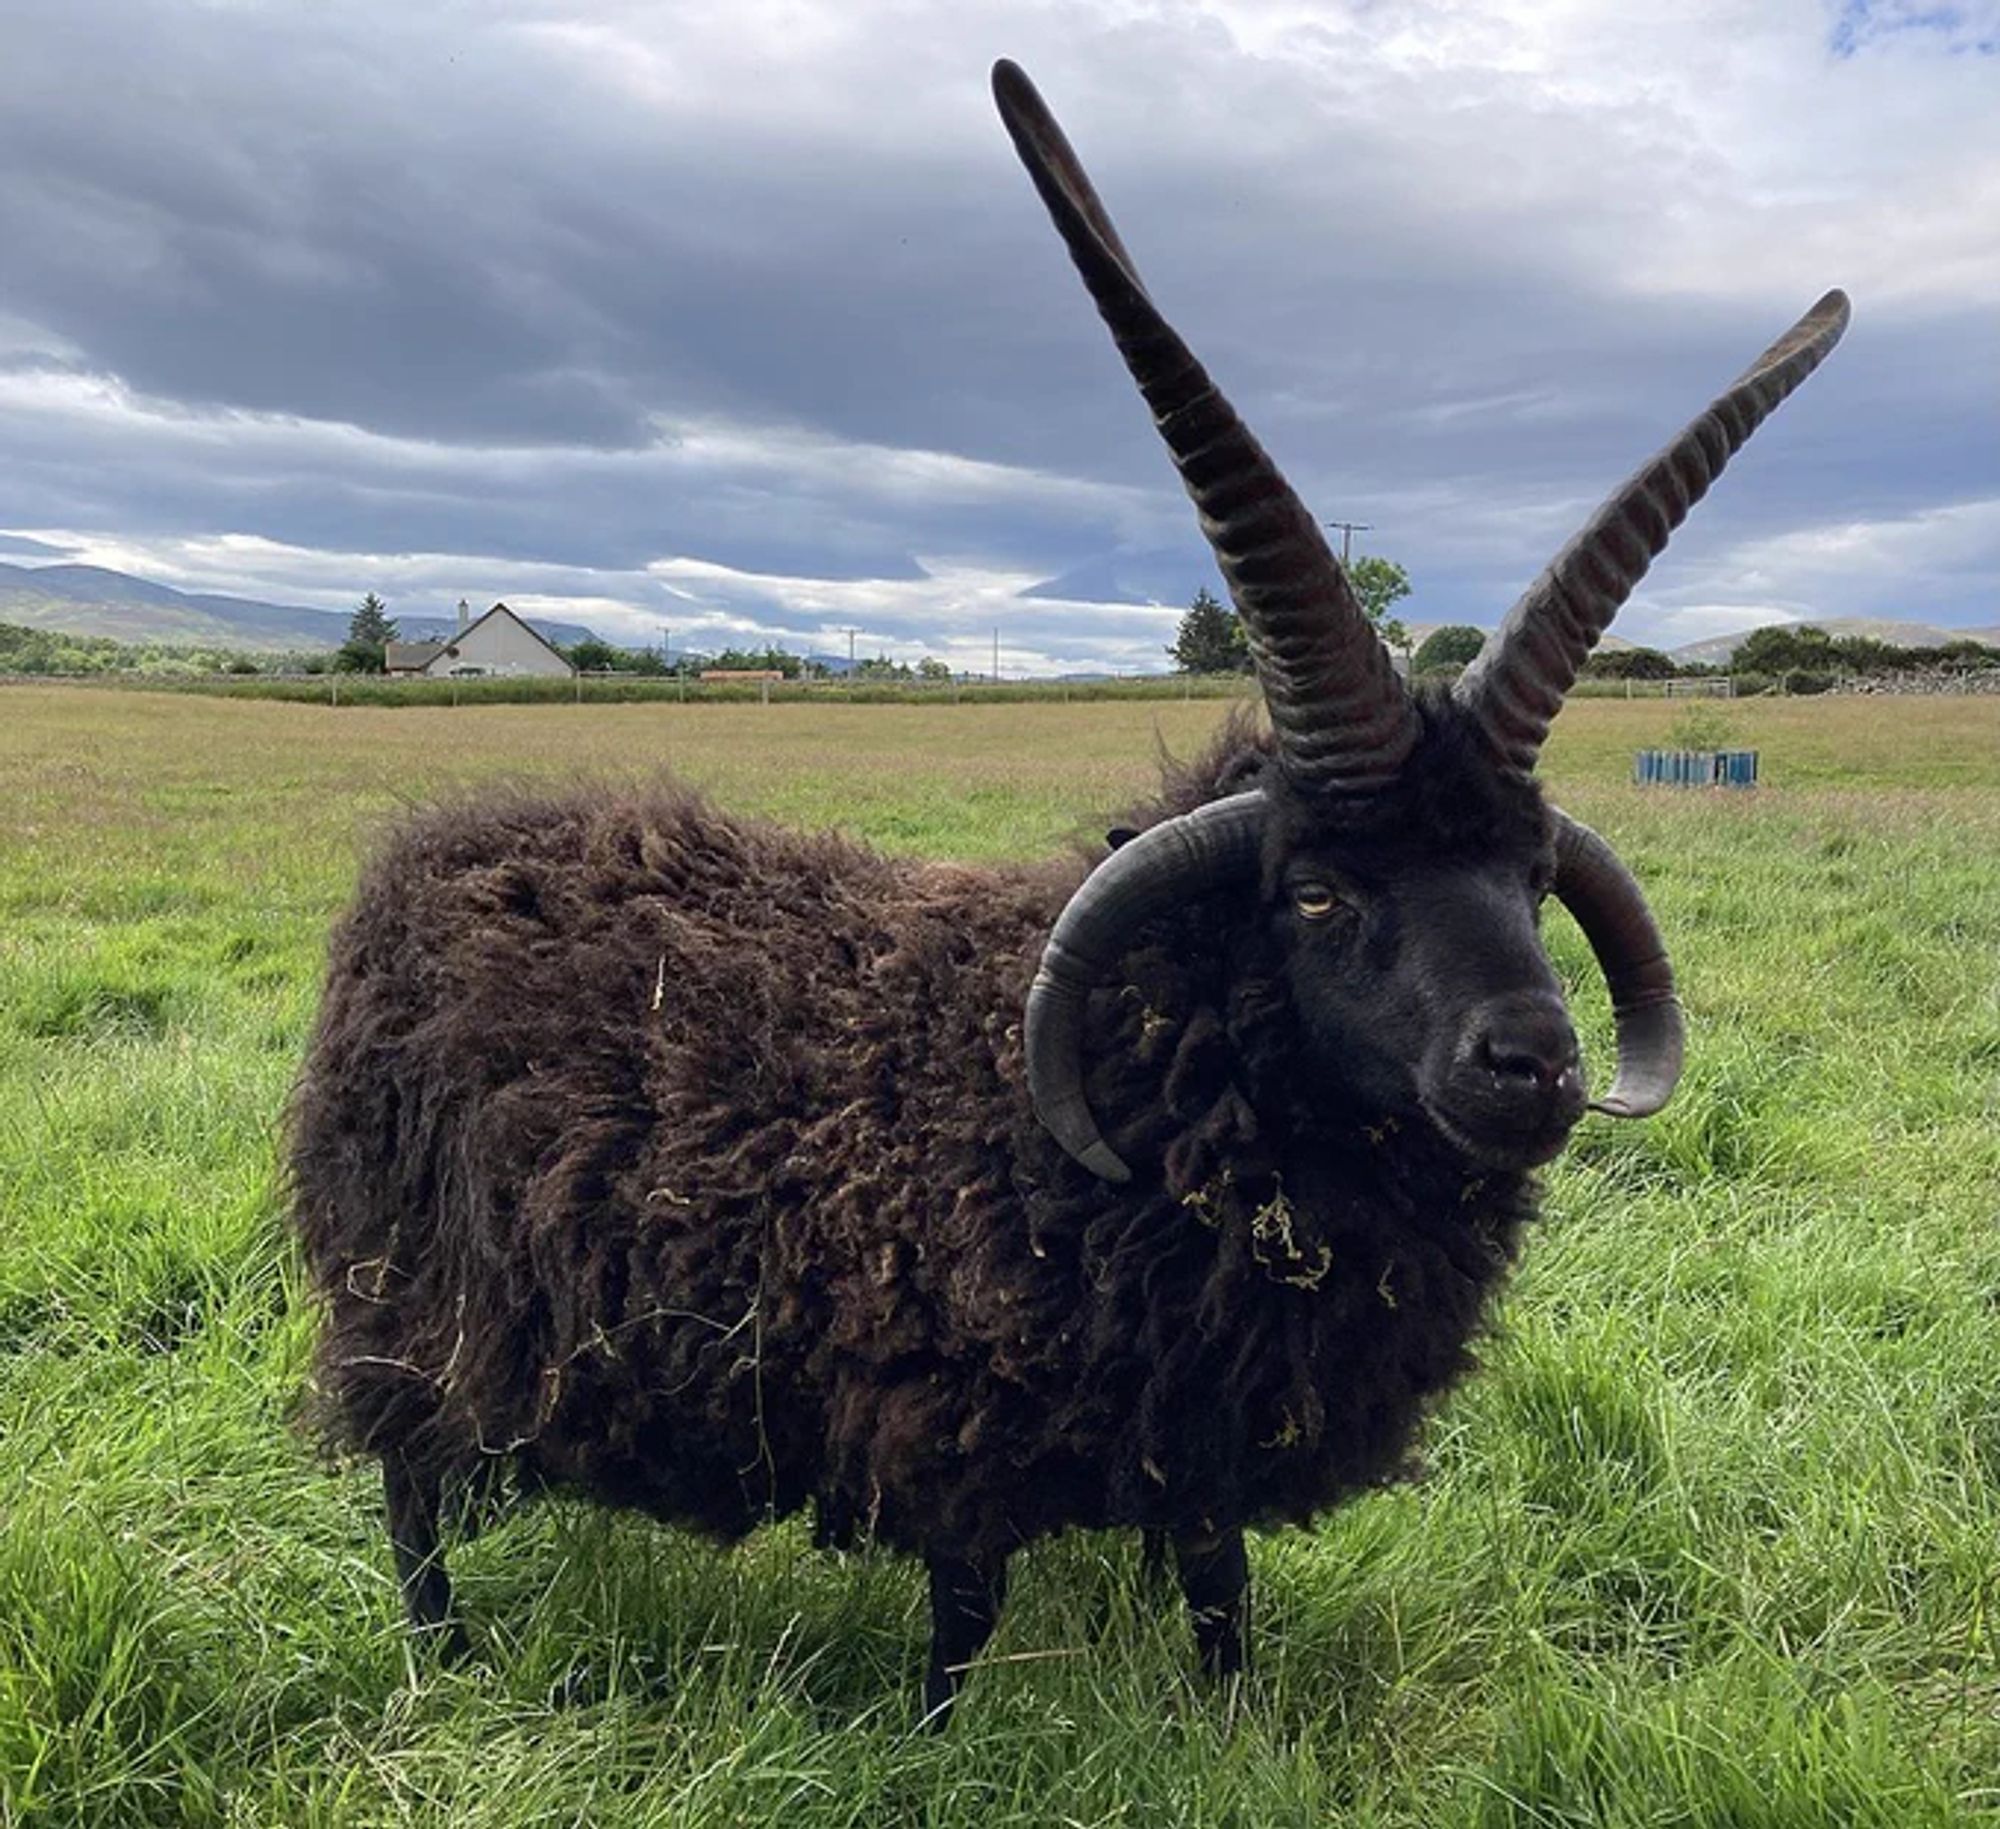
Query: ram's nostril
point(1535, 1050)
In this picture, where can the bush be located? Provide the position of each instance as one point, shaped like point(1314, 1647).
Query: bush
point(1453, 646)
point(1701, 724)
point(1630, 664)
point(1803, 682)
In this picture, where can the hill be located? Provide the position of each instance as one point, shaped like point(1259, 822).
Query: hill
point(92, 600)
point(1718, 648)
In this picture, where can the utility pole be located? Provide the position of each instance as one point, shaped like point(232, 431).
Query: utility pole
point(1348, 529)
point(996, 657)
point(850, 634)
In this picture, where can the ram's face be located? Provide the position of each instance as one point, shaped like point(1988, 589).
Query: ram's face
point(1421, 982)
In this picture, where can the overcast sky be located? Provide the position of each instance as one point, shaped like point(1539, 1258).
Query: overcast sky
point(740, 317)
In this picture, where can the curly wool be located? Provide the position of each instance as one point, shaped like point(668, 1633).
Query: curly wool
point(685, 1161)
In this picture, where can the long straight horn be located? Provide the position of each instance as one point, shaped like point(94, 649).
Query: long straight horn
point(1516, 686)
point(1343, 720)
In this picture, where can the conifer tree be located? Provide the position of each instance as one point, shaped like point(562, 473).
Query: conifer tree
point(1210, 639)
point(370, 630)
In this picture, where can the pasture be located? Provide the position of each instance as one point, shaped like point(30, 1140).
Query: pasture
point(1715, 1539)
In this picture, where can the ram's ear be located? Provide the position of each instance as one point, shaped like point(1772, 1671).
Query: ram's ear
point(1120, 835)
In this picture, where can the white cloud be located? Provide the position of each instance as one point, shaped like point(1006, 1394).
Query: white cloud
point(1854, 564)
point(1837, 569)
point(950, 611)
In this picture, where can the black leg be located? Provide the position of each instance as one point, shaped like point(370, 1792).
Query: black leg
point(1215, 1577)
point(965, 1606)
point(413, 1535)
point(1153, 1559)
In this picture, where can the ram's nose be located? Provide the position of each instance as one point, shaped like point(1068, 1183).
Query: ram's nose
point(1515, 1089)
point(1529, 1048)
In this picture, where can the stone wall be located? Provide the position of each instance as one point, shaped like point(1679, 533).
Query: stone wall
point(1923, 682)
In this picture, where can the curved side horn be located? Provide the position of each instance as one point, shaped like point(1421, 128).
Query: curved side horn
point(1608, 905)
point(1515, 687)
point(1160, 869)
point(1343, 720)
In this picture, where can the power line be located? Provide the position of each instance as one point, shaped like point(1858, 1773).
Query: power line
point(1348, 529)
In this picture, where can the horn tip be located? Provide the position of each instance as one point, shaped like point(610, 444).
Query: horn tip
point(1011, 87)
point(1826, 323)
point(1616, 1104)
point(1103, 1163)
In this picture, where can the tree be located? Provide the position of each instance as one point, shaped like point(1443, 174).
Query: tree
point(1630, 664)
point(370, 630)
point(1210, 639)
point(1961, 655)
point(591, 655)
point(934, 670)
point(1454, 645)
point(757, 660)
point(1780, 647)
point(1381, 584)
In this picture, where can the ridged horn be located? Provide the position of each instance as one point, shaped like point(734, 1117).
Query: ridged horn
point(1515, 687)
point(1344, 722)
point(1160, 869)
point(1609, 906)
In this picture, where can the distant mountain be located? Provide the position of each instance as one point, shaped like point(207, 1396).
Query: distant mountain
point(1717, 649)
point(1155, 575)
point(89, 600)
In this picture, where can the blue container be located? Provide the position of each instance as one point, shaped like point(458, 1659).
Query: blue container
point(1695, 768)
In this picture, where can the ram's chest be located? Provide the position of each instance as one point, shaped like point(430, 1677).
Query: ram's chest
point(1332, 1316)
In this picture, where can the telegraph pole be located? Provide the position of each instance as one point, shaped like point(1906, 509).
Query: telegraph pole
point(1348, 529)
point(996, 657)
point(850, 634)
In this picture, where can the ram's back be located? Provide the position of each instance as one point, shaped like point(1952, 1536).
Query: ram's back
point(593, 1072)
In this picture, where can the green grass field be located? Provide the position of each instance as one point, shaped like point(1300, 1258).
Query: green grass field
point(1714, 1540)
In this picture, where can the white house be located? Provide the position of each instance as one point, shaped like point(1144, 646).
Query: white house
point(498, 645)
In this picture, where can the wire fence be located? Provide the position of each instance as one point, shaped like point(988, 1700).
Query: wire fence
point(617, 688)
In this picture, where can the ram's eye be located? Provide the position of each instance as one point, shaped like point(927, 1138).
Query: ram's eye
point(1314, 901)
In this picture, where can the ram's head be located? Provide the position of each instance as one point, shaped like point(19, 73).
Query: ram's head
point(1401, 848)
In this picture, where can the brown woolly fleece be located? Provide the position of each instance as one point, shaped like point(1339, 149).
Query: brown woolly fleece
point(686, 1162)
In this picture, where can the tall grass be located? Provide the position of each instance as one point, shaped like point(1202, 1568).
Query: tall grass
point(1712, 1540)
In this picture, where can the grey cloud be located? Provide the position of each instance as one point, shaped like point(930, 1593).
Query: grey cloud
point(522, 242)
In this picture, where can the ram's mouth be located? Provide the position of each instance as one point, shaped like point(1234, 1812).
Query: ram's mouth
point(1504, 1146)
